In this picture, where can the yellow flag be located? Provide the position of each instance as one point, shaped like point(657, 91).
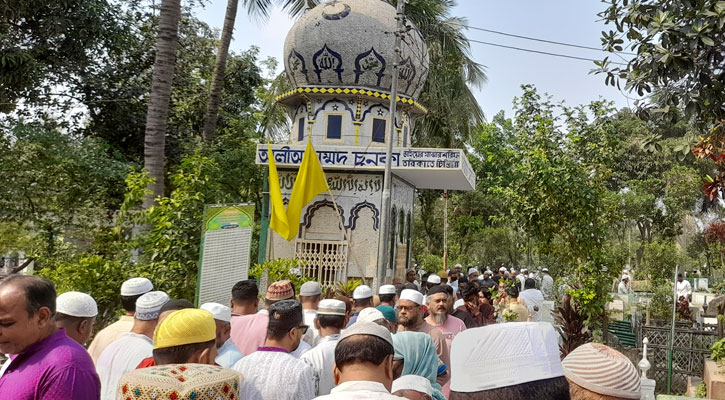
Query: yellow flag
point(309, 183)
point(278, 216)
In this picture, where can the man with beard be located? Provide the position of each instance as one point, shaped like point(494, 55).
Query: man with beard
point(410, 318)
point(438, 306)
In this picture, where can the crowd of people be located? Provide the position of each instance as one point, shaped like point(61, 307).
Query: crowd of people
point(453, 336)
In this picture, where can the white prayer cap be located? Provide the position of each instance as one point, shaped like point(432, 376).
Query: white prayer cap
point(413, 382)
point(362, 292)
point(529, 348)
point(76, 304)
point(369, 314)
point(387, 289)
point(488, 271)
point(458, 303)
point(331, 307)
point(412, 295)
point(136, 286)
point(367, 328)
point(434, 279)
point(625, 277)
point(219, 311)
point(524, 270)
point(472, 270)
point(310, 288)
point(545, 269)
point(149, 305)
point(502, 269)
point(459, 266)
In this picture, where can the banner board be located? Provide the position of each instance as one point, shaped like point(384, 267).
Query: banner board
point(225, 243)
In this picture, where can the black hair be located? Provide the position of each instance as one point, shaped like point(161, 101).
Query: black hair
point(66, 319)
point(410, 286)
point(331, 321)
point(176, 304)
point(360, 349)
point(180, 354)
point(469, 291)
point(679, 274)
point(366, 302)
point(387, 298)
point(129, 302)
point(245, 291)
point(462, 279)
point(38, 292)
point(545, 389)
point(512, 291)
point(449, 289)
point(486, 293)
point(529, 283)
point(283, 316)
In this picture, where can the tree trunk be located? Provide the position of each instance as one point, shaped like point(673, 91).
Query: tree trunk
point(158, 111)
point(217, 80)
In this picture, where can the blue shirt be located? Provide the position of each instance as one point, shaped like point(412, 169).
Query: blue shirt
point(228, 354)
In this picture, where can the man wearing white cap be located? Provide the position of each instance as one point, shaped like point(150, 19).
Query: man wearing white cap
point(623, 288)
point(131, 290)
point(524, 366)
point(413, 387)
point(310, 295)
point(131, 348)
point(329, 321)
point(227, 352)
point(472, 274)
point(410, 318)
point(523, 274)
point(362, 298)
point(547, 284)
point(363, 364)
point(76, 313)
point(388, 295)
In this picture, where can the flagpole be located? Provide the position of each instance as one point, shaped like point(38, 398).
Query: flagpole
point(387, 178)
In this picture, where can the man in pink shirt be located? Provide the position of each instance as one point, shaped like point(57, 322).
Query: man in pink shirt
point(249, 326)
point(439, 318)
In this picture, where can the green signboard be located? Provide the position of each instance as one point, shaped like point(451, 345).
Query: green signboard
point(224, 260)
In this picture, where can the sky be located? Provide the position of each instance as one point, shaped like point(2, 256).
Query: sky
point(568, 80)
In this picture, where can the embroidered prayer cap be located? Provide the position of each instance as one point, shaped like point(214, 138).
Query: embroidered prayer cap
point(310, 288)
point(367, 328)
point(76, 304)
point(387, 289)
point(473, 270)
point(434, 279)
point(187, 326)
point(180, 381)
point(369, 314)
point(412, 382)
point(601, 369)
point(362, 292)
point(388, 313)
point(148, 306)
point(280, 290)
point(412, 295)
point(530, 349)
point(442, 274)
point(331, 307)
point(219, 311)
point(136, 286)
point(286, 314)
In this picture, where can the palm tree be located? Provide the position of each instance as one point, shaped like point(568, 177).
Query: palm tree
point(454, 111)
point(156, 117)
point(217, 80)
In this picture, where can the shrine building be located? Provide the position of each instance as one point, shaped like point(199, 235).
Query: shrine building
point(338, 58)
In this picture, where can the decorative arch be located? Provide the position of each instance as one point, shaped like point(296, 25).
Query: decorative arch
point(355, 214)
point(327, 59)
point(307, 219)
point(370, 61)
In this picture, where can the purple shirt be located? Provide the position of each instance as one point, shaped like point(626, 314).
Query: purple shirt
point(57, 367)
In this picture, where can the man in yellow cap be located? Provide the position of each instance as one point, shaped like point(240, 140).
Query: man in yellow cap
point(186, 336)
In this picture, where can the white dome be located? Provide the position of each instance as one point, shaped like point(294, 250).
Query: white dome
point(348, 44)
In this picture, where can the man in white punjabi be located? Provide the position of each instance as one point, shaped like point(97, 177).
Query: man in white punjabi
point(127, 352)
point(310, 296)
point(363, 364)
point(330, 320)
point(271, 372)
